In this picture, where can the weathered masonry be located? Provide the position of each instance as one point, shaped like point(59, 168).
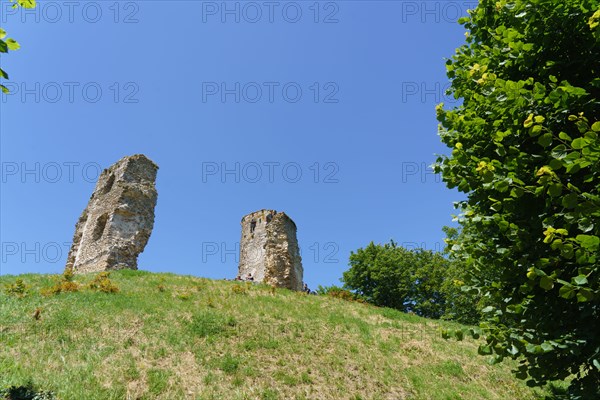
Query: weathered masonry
point(269, 250)
point(118, 220)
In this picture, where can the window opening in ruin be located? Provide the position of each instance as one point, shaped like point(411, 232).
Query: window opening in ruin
point(109, 183)
point(99, 228)
point(252, 226)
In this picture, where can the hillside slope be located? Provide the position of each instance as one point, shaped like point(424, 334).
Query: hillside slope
point(164, 336)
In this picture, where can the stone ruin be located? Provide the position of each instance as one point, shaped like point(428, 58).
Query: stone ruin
point(269, 250)
point(117, 222)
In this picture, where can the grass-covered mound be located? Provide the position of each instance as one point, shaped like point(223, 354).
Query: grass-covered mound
point(164, 336)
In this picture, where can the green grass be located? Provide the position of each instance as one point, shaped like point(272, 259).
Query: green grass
point(164, 336)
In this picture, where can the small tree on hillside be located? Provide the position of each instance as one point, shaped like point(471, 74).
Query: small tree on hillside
point(419, 281)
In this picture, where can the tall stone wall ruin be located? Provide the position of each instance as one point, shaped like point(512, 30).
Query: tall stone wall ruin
point(269, 250)
point(118, 220)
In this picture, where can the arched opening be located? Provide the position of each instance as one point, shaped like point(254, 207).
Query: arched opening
point(99, 228)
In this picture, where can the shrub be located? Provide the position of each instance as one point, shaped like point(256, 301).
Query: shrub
point(161, 285)
point(103, 283)
point(65, 284)
point(18, 289)
point(239, 289)
point(339, 293)
point(184, 296)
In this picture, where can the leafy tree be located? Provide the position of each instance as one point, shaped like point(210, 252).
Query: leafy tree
point(381, 274)
point(462, 304)
point(7, 44)
point(429, 271)
point(408, 280)
point(525, 150)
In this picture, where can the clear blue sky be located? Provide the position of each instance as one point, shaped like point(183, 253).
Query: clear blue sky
point(324, 110)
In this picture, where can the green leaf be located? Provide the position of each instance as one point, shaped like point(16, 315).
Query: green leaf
point(495, 359)
point(555, 164)
point(596, 364)
point(580, 280)
point(573, 156)
point(501, 186)
point(559, 152)
point(535, 130)
point(503, 225)
point(588, 242)
point(547, 347)
point(591, 135)
point(513, 350)
point(12, 44)
point(517, 192)
point(3, 73)
point(585, 224)
point(555, 189)
point(582, 126)
point(573, 168)
point(566, 292)
point(579, 143)
point(27, 3)
point(582, 257)
point(4, 89)
point(2, 33)
point(567, 251)
point(3, 46)
point(569, 201)
point(545, 140)
point(546, 283)
point(585, 295)
point(534, 349)
point(595, 125)
point(564, 136)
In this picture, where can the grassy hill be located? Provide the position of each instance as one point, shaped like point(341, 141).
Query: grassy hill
point(164, 336)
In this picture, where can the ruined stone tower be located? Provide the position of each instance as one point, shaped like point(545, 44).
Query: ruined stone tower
point(117, 222)
point(269, 250)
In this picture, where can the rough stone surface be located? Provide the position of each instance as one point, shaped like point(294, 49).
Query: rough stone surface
point(269, 250)
point(117, 222)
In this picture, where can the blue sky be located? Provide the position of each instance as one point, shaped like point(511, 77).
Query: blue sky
point(324, 110)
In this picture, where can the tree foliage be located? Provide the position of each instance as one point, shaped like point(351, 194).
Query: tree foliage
point(7, 44)
point(525, 150)
point(419, 281)
point(462, 303)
